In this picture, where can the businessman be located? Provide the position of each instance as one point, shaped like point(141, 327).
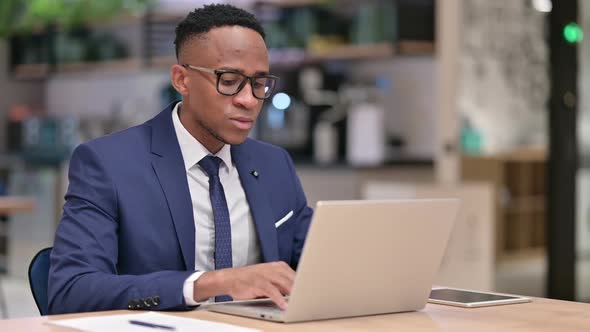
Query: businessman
point(185, 208)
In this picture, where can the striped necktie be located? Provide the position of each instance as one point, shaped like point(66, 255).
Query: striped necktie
point(223, 250)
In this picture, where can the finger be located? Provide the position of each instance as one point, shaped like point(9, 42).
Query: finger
point(285, 270)
point(274, 294)
point(290, 275)
point(283, 284)
point(282, 276)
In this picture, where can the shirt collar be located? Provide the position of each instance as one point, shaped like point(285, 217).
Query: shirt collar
point(192, 150)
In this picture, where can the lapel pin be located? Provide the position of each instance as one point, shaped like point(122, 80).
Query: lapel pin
point(255, 174)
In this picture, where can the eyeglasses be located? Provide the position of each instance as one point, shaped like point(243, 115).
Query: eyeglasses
point(231, 82)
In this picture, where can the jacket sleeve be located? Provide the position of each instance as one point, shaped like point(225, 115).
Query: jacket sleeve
point(83, 273)
point(302, 214)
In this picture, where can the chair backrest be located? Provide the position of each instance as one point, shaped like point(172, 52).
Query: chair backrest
point(38, 276)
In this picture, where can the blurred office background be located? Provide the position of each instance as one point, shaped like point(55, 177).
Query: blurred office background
point(482, 100)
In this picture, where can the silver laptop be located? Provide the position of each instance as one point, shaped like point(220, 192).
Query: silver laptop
point(363, 258)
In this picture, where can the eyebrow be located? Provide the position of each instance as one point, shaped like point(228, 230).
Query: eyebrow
point(258, 73)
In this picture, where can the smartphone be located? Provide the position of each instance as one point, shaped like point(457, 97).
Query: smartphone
point(471, 299)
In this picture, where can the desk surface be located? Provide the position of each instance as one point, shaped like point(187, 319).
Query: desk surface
point(12, 204)
point(539, 316)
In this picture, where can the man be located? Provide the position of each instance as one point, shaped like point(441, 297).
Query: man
point(185, 208)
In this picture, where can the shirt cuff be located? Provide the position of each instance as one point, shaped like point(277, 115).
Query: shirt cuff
point(188, 288)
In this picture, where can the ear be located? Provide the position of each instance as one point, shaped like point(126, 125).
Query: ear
point(179, 79)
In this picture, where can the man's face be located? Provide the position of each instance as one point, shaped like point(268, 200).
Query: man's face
point(212, 118)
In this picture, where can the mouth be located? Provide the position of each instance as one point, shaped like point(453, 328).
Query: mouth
point(242, 123)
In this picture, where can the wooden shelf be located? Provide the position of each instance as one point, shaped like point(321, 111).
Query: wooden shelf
point(288, 3)
point(344, 52)
point(523, 154)
point(12, 204)
point(43, 70)
point(415, 47)
point(517, 256)
point(163, 61)
point(526, 204)
point(165, 17)
point(31, 71)
point(131, 64)
point(124, 19)
point(356, 52)
point(352, 52)
point(519, 178)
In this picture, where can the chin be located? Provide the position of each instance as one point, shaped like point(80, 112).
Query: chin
point(236, 139)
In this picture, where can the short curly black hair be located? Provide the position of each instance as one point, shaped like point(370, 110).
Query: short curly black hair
point(202, 20)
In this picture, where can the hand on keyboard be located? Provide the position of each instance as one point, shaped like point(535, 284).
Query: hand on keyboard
point(272, 280)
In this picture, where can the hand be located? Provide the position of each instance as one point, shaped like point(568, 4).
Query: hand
point(272, 280)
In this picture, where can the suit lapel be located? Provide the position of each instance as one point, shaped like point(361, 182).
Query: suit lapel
point(168, 165)
point(258, 201)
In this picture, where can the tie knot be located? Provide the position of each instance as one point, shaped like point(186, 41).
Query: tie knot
point(210, 165)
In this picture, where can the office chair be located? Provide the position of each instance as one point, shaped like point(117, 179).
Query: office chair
point(38, 276)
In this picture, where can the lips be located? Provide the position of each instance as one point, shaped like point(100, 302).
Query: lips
point(242, 123)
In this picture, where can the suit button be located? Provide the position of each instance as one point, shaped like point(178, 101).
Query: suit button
point(132, 304)
point(156, 300)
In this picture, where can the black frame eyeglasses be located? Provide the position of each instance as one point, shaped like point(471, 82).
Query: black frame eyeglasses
point(231, 82)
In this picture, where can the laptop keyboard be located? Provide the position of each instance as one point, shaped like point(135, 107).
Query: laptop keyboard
point(264, 305)
point(268, 306)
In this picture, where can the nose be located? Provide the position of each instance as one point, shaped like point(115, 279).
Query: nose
point(245, 98)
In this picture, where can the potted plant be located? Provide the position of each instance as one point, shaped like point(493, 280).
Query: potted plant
point(22, 16)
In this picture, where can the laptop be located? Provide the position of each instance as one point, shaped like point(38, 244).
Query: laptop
point(362, 258)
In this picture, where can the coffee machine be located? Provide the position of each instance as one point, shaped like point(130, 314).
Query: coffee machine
point(290, 117)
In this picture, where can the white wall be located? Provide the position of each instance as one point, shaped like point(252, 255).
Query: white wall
point(127, 98)
point(504, 83)
point(410, 102)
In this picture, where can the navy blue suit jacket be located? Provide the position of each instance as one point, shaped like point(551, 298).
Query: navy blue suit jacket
point(127, 233)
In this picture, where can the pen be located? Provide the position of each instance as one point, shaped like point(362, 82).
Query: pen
point(156, 326)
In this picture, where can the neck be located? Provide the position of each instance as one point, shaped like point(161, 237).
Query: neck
point(199, 132)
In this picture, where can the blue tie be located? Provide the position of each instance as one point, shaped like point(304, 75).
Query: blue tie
point(223, 259)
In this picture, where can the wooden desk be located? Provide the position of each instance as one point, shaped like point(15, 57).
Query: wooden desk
point(539, 316)
point(13, 204)
point(10, 205)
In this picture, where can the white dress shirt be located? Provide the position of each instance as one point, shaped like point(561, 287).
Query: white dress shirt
point(244, 240)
